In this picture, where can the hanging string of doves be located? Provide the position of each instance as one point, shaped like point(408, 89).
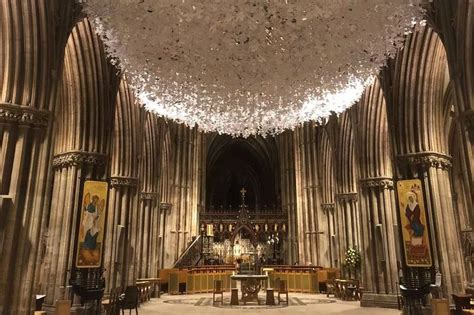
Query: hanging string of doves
point(251, 66)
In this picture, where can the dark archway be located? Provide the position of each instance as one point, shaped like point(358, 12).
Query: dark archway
point(233, 163)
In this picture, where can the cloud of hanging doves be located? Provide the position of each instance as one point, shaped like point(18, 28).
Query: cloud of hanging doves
point(244, 67)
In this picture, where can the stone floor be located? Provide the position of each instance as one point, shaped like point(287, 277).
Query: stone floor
point(197, 304)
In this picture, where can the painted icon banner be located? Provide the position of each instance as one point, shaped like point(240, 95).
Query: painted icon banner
point(92, 223)
point(416, 242)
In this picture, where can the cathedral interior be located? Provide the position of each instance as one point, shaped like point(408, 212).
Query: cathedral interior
point(122, 190)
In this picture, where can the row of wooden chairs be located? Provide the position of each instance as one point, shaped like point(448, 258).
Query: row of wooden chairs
point(344, 289)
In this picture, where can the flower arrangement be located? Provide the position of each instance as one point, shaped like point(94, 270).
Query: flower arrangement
point(352, 259)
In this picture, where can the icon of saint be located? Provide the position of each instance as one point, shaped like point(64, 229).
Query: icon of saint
point(90, 223)
point(413, 214)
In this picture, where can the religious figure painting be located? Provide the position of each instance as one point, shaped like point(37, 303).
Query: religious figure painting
point(91, 229)
point(414, 224)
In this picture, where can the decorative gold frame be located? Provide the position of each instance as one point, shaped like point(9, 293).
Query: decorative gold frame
point(90, 237)
point(414, 223)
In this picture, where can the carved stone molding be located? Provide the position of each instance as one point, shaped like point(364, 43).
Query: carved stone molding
point(377, 182)
point(427, 160)
point(164, 206)
point(23, 115)
point(149, 195)
point(351, 196)
point(79, 158)
point(328, 207)
point(116, 181)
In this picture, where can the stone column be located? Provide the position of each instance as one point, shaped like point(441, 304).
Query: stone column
point(325, 162)
point(124, 181)
point(287, 168)
point(377, 203)
point(466, 212)
point(309, 194)
point(465, 156)
point(82, 140)
point(379, 244)
point(333, 257)
point(454, 21)
point(148, 232)
point(122, 198)
point(24, 152)
point(301, 219)
point(185, 196)
point(71, 170)
point(433, 169)
point(165, 209)
point(31, 59)
point(421, 142)
point(347, 218)
point(345, 167)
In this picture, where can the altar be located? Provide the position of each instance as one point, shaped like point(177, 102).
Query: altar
point(250, 286)
point(244, 235)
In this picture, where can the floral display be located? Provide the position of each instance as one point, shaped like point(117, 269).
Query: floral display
point(352, 259)
point(251, 67)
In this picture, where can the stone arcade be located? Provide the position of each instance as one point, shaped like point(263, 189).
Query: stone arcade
point(184, 207)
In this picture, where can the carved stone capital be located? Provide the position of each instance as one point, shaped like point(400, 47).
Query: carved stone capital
point(351, 196)
point(116, 181)
point(427, 160)
point(79, 158)
point(23, 115)
point(377, 182)
point(149, 195)
point(328, 207)
point(164, 206)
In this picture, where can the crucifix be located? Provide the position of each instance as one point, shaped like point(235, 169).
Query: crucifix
point(243, 192)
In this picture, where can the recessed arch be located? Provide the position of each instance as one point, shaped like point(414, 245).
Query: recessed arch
point(233, 163)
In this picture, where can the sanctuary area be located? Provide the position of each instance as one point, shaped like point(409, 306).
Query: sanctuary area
point(224, 156)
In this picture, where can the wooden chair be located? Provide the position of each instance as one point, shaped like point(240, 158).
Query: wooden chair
point(440, 307)
point(331, 285)
point(141, 286)
point(352, 290)
point(113, 305)
point(283, 289)
point(359, 292)
point(129, 300)
point(331, 288)
point(462, 302)
point(217, 290)
point(341, 289)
